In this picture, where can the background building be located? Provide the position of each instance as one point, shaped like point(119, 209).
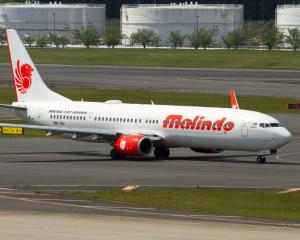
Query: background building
point(287, 16)
point(184, 17)
point(38, 19)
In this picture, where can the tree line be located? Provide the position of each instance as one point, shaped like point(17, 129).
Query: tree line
point(87, 36)
point(251, 35)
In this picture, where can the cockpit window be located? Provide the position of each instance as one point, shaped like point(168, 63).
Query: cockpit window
point(268, 125)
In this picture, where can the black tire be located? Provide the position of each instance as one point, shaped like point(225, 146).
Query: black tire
point(161, 153)
point(115, 155)
point(261, 159)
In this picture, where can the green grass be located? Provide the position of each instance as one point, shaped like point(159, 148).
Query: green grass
point(256, 103)
point(251, 59)
point(209, 201)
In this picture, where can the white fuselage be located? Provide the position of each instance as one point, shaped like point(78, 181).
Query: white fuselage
point(234, 129)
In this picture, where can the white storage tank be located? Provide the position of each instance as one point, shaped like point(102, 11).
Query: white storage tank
point(184, 17)
point(39, 19)
point(287, 16)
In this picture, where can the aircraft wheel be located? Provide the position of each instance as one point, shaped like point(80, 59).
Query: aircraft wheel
point(261, 159)
point(115, 155)
point(161, 152)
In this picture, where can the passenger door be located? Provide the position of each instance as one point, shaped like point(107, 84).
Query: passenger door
point(244, 129)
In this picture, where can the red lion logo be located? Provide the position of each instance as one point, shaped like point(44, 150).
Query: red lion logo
point(23, 77)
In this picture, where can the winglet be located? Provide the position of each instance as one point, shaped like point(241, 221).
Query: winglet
point(234, 102)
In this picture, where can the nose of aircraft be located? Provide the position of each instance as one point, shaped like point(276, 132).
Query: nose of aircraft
point(283, 136)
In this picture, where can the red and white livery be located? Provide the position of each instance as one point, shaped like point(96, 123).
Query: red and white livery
point(138, 129)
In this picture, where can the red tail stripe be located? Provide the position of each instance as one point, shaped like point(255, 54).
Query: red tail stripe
point(11, 66)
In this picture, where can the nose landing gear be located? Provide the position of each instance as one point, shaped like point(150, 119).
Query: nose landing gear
point(261, 157)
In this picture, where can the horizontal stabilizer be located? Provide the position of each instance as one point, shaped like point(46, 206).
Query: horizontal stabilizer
point(12, 107)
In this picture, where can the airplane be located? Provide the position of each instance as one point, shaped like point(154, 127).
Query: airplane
point(138, 129)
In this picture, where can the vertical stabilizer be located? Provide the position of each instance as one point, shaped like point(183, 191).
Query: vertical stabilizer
point(29, 85)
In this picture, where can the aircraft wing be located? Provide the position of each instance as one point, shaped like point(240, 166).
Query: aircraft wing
point(109, 135)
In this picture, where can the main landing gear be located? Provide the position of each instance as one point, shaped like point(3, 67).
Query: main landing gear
point(115, 155)
point(161, 153)
point(261, 159)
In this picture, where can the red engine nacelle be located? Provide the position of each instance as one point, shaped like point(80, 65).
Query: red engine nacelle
point(133, 145)
point(202, 150)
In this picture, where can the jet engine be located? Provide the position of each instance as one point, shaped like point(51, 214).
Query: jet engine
point(133, 145)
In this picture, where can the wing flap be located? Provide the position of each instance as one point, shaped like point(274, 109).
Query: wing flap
point(52, 130)
point(62, 129)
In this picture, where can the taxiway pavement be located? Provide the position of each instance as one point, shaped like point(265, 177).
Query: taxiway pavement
point(63, 162)
point(43, 163)
point(245, 82)
point(27, 215)
point(47, 164)
point(32, 225)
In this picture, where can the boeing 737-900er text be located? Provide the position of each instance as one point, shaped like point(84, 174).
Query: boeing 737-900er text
point(137, 129)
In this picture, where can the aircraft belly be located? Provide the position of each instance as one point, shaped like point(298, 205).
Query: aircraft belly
point(223, 142)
